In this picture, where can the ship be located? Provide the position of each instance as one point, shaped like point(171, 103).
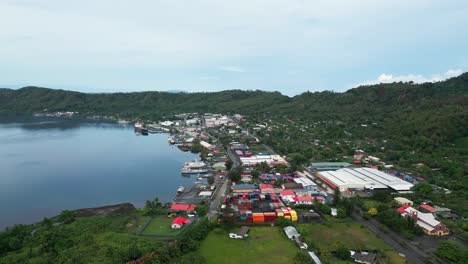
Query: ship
point(140, 128)
point(194, 167)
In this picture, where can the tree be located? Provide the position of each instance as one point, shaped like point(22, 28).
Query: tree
point(153, 207)
point(201, 209)
point(341, 213)
point(235, 175)
point(423, 189)
point(336, 196)
point(450, 251)
point(283, 222)
point(66, 216)
point(372, 212)
point(211, 180)
point(228, 164)
point(302, 258)
point(255, 174)
point(342, 253)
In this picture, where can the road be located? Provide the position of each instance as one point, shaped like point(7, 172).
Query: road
point(413, 253)
point(218, 199)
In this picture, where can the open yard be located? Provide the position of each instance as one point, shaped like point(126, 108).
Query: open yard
point(161, 225)
point(264, 245)
point(349, 234)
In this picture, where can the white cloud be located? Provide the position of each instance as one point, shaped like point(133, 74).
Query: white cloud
point(231, 69)
point(416, 78)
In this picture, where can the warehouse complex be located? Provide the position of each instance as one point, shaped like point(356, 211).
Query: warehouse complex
point(362, 179)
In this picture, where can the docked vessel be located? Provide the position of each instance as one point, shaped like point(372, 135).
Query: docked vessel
point(139, 128)
point(194, 167)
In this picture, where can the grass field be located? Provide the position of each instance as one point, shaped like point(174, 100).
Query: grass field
point(264, 245)
point(160, 225)
point(351, 235)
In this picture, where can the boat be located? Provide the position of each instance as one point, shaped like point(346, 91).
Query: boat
point(193, 171)
point(171, 140)
point(139, 128)
point(138, 124)
point(123, 122)
point(180, 189)
point(194, 167)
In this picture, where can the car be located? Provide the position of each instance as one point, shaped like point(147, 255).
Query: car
point(235, 236)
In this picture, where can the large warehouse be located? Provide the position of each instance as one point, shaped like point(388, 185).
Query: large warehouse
point(361, 179)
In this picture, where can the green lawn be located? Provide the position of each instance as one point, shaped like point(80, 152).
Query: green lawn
point(264, 245)
point(350, 235)
point(161, 225)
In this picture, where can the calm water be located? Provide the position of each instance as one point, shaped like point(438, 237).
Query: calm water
point(46, 167)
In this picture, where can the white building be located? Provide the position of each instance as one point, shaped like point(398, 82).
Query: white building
point(307, 183)
point(361, 179)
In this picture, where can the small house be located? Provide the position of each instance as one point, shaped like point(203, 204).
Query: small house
point(179, 222)
point(364, 257)
point(403, 201)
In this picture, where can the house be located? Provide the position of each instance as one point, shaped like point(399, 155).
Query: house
point(179, 222)
point(364, 257)
point(292, 186)
point(306, 183)
point(304, 200)
point(244, 188)
point(287, 196)
point(428, 208)
point(445, 213)
point(291, 232)
point(426, 221)
point(403, 201)
point(183, 207)
point(266, 188)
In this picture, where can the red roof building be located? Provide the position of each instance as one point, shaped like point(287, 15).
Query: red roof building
point(266, 188)
point(428, 208)
point(179, 222)
point(402, 209)
point(183, 207)
point(287, 193)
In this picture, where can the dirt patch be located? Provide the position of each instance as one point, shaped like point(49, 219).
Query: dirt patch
point(108, 210)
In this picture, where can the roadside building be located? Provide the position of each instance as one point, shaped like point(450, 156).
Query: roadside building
point(328, 166)
point(364, 257)
point(183, 207)
point(426, 221)
point(287, 196)
point(428, 208)
point(307, 200)
point(244, 188)
point(306, 183)
point(292, 186)
point(179, 222)
point(403, 201)
point(350, 179)
point(266, 188)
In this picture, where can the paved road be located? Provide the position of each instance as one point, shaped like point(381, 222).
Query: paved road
point(413, 253)
point(218, 199)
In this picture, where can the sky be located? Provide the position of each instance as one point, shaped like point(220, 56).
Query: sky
point(289, 46)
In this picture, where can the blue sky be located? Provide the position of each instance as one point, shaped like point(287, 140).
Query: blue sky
point(288, 46)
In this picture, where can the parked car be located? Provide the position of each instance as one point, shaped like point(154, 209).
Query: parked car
point(235, 236)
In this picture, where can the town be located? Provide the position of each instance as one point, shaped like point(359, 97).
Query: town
point(359, 208)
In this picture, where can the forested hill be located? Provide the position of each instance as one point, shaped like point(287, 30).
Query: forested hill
point(363, 99)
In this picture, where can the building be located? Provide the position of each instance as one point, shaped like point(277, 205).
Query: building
point(428, 208)
point(179, 222)
point(364, 257)
point(267, 188)
point(183, 207)
point(292, 186)
point(328, 166)
point(362, 179)
point(306, 183)
point(426, 221)
point(271, 160)
point(287, 196)
point(403, 201)
point(244, 188)
point(291, 232)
